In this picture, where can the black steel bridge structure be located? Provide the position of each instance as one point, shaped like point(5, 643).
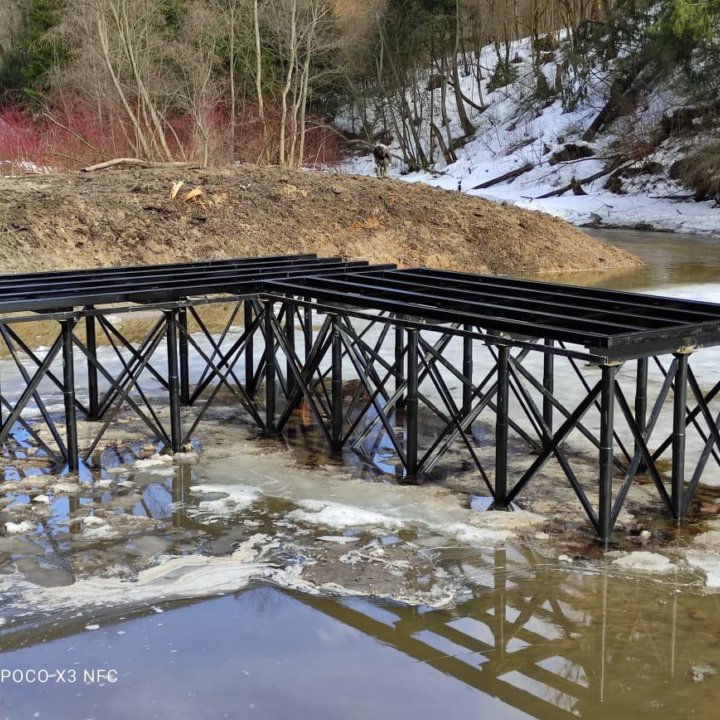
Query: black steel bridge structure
point(424, 348)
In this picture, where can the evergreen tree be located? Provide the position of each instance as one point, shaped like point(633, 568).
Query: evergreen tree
point(25, 66)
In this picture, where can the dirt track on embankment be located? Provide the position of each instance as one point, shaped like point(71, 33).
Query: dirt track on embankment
point(121, 216)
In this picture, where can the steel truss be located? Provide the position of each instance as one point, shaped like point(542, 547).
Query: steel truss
point(405, 382)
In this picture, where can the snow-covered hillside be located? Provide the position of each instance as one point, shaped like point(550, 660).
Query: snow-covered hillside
point(516, 130)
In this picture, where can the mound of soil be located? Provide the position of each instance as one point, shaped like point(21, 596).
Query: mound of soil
point(120, 216)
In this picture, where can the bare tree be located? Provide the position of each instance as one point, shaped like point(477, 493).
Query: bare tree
point(9, 20)
point(259, 78)
point(200, 90)
point(302, 34)
point(123, 41)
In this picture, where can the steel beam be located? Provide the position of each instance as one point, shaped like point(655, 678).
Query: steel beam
point(290, 309)
point(336, 386)
point(91, 344)
point(307, 329)
point(641, 389)
point(548, 383)
point(249, 350)
point(399, 366)
point(467, 371)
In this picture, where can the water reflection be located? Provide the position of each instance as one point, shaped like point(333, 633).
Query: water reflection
point(537, 639)
point(553, 642)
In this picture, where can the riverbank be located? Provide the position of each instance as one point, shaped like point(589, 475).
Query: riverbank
point(130, 217)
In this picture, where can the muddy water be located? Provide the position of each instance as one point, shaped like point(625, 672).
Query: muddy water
point(671, 260)
point(531, 642)
point(340, 598)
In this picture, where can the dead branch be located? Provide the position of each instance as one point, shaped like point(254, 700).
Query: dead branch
point(138, 163)
point(479, 108)
point(47, 114)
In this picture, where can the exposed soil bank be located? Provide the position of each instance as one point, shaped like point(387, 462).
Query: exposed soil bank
point(119, 217)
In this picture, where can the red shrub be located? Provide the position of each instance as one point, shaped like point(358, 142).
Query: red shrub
point(75, 134)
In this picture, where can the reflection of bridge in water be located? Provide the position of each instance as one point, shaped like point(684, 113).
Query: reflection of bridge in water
point(552, 642)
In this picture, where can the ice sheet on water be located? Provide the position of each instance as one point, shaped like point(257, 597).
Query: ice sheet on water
point(235, 498)
point(703, 292)
point(191, 576)
point(337, 515)
point(649, 562)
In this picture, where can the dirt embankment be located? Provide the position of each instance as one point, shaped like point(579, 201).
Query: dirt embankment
point(117, 217)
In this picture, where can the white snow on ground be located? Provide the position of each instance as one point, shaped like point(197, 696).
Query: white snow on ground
point(517, 129)
point(22, 527)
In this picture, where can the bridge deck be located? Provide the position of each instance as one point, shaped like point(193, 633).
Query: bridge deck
point(617, 325)
point(612, 324)
point(47, 291)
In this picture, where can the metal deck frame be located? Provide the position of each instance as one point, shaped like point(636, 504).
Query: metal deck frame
point(391, 328)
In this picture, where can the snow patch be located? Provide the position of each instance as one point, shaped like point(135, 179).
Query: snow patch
point(16, 528)
point(339, 539)
point(237, 497)
point(644, 561)
point(153, 461)
point(709, 565)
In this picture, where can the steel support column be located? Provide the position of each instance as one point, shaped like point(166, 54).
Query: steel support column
point(641, 387)
point(411, 405)
point(269, 368)
point(290, 339)
point(399, 364)
point(336, 389)
point(184, 357)
point(501, 426)
point(678, 436)
point(467, 371)
point(92, 373)
point(71, 435)
point(173, 380)
point(307, 329)
point(548, 384)
point(607, 418)
point(249, 357)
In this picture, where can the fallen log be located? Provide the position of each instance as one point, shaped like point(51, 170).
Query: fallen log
point(507, 176)
point(137, 162)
